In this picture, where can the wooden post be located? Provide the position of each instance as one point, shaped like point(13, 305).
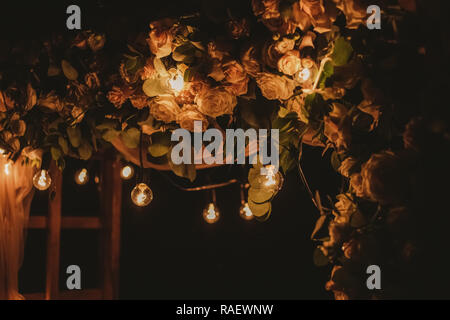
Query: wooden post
point(111, 207)
point(53, 233)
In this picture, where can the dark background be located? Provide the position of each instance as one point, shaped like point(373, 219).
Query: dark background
point(168, 251)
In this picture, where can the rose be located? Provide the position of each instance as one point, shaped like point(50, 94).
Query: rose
point(321, 16)
point(267, 8)
point(215, 102)
point(290, 63)
point(356, 184)
point(270, 55)
point(189, 113)
point(50, 101)
point(275, 87)
point(164, 108)
point(354, 10)
point(279, 25)
point(117, 97)
point(385, 178)
point(250, 62)
point(347, 166)
point(345, 207)
point(139, 101)
point(295, 104)
point(234, 72)
point(18, 126)
point(160, 38)
point(219, 49)
point(284, 45)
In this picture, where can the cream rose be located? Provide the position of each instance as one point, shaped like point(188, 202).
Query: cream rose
point(189, 113)
point(234, 72)
point(215, 102)
point(284, 45)
point(274, 87)
point(290, 63)
point(160, 38)
point(164, 108)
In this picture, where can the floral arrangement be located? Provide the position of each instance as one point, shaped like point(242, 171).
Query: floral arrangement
point(300, 66)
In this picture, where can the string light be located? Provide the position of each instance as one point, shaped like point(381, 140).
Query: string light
point(245, 212)
point(2, 152)
point(142, 195)
point(211, 213)
point(127, 172)
point(304, 75)
point(82, 177)
point(273, 179)
point(42, 180)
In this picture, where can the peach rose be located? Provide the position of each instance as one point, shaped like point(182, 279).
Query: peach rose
point(164, 108)
point(234, 72)
point(284, 45)
point(189, 113)
point(274, 87)
point(160, 38)
point(215, 102)
point(290, 63)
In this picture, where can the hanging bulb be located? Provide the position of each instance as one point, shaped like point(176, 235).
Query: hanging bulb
point(82, 177)
point(273, 179)
point(211, 213)
point(2, 152)
point(176, 82)
point(42, 180)
point(142, 195)
point(304, 75)
point(127, 172)
point(245, 212)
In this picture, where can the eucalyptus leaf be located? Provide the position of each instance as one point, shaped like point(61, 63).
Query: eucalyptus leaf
point(70, 72)
point(85, 150)
point(74, 134)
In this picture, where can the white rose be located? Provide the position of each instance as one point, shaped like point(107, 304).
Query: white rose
point(164, 108)
point(290, 63)
point(215, 102)
point(274, 87)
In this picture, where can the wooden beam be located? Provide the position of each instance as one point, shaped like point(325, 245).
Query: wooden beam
point(111, 207)
point(53, 233)
point(88, 294)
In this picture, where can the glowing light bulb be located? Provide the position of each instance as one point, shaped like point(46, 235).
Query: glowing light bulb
point(2, 152)
point(177, 83)
point(127, 172)
point(245, 212)
point(8, 168)
point(42, 180)
point(305, 74)
point(142, 195)
point(211, 213)
point(273, 179)
point(82, 177)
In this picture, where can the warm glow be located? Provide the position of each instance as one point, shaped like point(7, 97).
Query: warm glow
point(82, 176)
point(245, 212)
point(141, 195)
point(305, 74)
point(211, 213)
point(127, 172)
point(8, 168)
point(270, 181)
point(42, 180)
point(2, 152)
point(177, 83)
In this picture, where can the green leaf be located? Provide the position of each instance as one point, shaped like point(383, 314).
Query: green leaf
point(260, 210)
point(85, 151)
point(184, 53)
point(160, 144)
point(342, 52)
point(319, 258)
point(131, 138)
point(110, 135)
point(64, 145)
point(56, 153)
point(74, 134)
point(183, 170)
point(260, 195)
point(70, 72)
point(328, 71)
point(288, 159)
point(319, 225)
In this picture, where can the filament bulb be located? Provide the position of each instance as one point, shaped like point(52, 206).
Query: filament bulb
point(142, 195)
point(177, 83)
point(127, 172)
point(211, 213)
point(82, 177)
point(42, 180)
point(273, 179)
point(245, 212)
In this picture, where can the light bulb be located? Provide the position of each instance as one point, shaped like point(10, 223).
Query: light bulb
point(211, 213)
point(82, 177)
point(142, 195)
point(2, 152)
point(273, 179)
point(127, 172)
point(245, 212)
point(177, 83)
point(304, 74)
point(42, 180)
